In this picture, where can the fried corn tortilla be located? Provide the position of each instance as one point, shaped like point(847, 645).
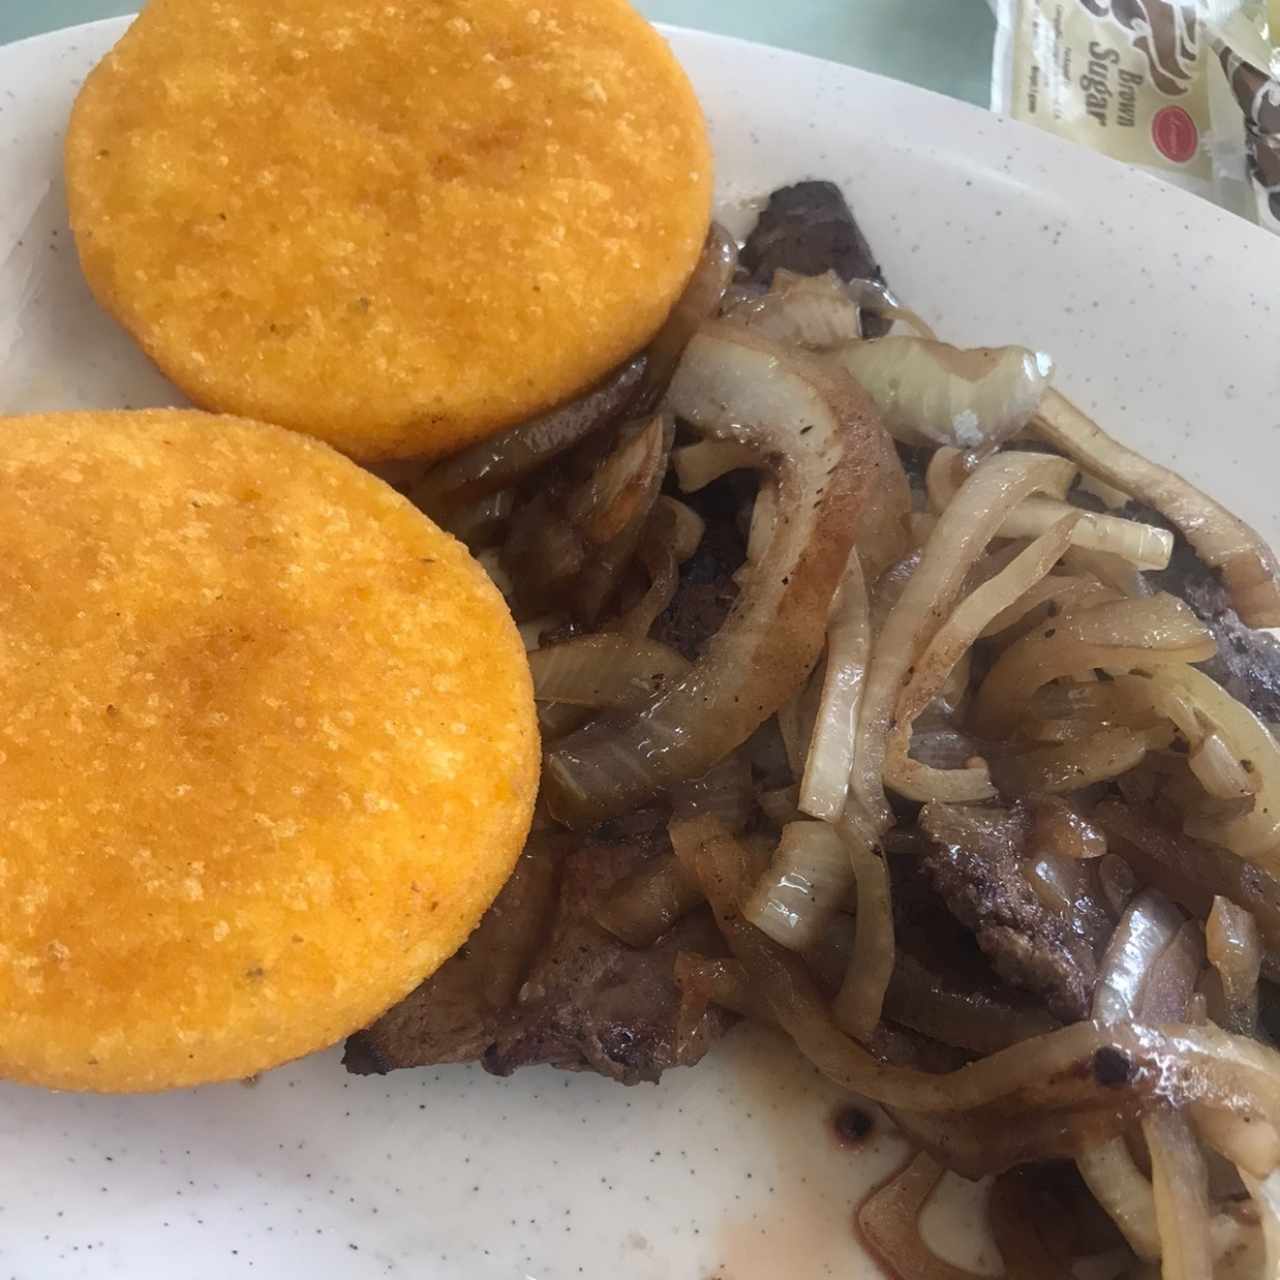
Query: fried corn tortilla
point(267, 746)
point(399, 227)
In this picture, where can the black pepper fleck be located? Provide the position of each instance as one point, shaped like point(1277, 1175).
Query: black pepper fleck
point(1111, 1067)
point(852, 1126)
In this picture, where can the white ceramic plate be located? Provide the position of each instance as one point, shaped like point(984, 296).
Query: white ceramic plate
point(1159, 310)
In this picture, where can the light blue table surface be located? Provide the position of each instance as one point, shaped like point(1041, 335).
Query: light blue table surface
point(941, 44)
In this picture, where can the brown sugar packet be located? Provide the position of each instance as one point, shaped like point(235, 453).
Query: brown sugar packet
point(1124, 77)
point(1245, 98)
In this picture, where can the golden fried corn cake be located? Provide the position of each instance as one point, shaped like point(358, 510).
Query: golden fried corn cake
point(267, 748)
point(399, 227)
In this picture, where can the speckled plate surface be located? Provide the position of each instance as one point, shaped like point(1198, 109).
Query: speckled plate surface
point(1159, 310)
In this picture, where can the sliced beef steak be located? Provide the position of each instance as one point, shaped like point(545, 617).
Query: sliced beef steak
point(455, 1015)
point(540, 982)
point(809, 228)
point(707, 590)
point(976, 865)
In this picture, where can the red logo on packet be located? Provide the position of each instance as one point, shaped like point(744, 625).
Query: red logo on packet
point(1175, 133)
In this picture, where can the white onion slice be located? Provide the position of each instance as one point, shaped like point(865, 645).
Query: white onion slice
point(1120, 1188)
point(1149, 925)
point(858, 1005)
point(815, 312)
point(763, 525)
point(1218, 770)
point(826, 770)
point(961, 536)
point(921, 525)
point(796, 718)
point(725, 792)
point(1181, 1182)
point(1113, 571)
point(1234, 947)
point(930, 392)
point(1199, 706)
point(1145, 546)
point(803, 887)
point(699, 302)
point(1061, 593)
point(1250, 1142)
point(697, 465)
point(670, 536)
point(872, 295)
point(1112, 498)
point(1222, 540)
point(951, 642)
point(1127, 634)
point(1074, 765)
point(1266, 1196)
point(949, 468)
point(604, 670)
point(780, 805)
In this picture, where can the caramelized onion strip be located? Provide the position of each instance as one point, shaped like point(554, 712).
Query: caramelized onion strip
point(1086, 1066)
point(501, 460)
point(816, 431)
point(861, 996)
point(961, 536)
point(645, 904)
point(1199, 706)
point(1222, 540)
point(826, 769)
point(1128, 634)
point(603, 670)
point(1181, 1182)
point(1059, 594)
point(804, 886)
point(697, 304)
point(1149, 925)
point(950, 643)
point(1234, 947)
point(972, 1019)
point(1049, 771)
point(929, 392)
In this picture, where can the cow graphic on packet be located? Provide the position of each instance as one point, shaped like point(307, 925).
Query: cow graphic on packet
point(1165, 32)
